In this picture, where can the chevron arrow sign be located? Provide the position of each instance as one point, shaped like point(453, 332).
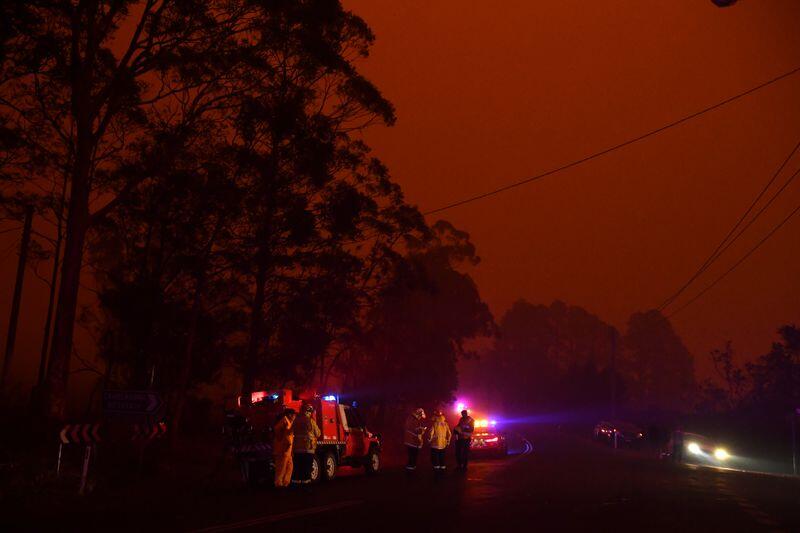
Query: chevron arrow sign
point(149, 431)
point(80, 434)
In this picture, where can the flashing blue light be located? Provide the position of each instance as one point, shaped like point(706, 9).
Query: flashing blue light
point(329, 398)
point(355, 404)
point(493, 422)
point(274, 396)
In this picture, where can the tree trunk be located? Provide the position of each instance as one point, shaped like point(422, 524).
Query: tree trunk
point(186, 366)
point(78, 220)
point(51, 301)
point(256, 325)
point(61, 351)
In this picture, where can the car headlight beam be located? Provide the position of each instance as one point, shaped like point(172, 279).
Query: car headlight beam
point(694, 448)
point(721, 454)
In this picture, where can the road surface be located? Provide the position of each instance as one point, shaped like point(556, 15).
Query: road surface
point(564, 483)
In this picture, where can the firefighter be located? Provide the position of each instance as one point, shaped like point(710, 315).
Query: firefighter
point(282, 448)
point(463, 432)
point(415, 429)
point(306, 432)
point(439, 438)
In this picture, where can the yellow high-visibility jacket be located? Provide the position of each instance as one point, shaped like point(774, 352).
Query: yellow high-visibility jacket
point(439, 434)
point(306, 433)
point(282, 436)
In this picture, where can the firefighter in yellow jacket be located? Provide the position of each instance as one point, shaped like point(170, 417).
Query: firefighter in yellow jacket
point(439, 437)
point(415, 429)
point(282, 438)
point(306, 433)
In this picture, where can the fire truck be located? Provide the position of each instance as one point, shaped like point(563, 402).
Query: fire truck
point(345, 439)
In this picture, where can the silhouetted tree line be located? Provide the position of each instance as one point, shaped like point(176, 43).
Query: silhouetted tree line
point(768, 384)
point(202, 160)
point(563, 357)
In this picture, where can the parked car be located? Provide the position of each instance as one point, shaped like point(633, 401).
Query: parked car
point(627, 434)
point(489, 442)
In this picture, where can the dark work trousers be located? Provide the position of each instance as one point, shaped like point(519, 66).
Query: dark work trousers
point(303, 463)
point(413, 452)
point(437, 459)
point(677, 446)
point(462, 452)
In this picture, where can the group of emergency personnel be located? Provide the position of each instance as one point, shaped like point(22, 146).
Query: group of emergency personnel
point(438, 435)
point(293, 446)
point(295, 442)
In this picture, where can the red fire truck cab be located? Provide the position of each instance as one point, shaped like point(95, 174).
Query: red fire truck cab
point(345, 439)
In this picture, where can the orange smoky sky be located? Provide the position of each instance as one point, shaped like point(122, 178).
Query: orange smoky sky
point(488, 93)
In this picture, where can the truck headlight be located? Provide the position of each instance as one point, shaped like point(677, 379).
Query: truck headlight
point(694, 448)
point(721, 454)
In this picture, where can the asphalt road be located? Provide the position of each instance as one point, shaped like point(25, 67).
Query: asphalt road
point(564, 483)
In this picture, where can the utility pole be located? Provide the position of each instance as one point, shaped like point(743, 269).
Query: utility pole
point(613, 373)
point(793, 421)
point(15, 302)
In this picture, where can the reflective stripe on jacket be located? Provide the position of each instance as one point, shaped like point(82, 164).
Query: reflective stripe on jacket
point(306, 433)
point(415, 429)
point(439, 435)
point(465, 428)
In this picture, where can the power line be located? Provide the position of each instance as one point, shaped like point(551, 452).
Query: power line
point(613, 148)
point(739, 262)
point(725, 244)
point(764, 208)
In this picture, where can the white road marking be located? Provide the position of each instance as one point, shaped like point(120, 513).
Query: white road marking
point(278, 517)
point(528, 447)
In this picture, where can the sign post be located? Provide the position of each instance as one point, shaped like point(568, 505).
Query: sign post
point(794, 440)
point(87, 454)
point(58, 463)
point(86, 434)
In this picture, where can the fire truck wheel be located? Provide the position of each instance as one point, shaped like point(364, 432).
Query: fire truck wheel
point(373, 462)
point(315, 468)
point(328, 466)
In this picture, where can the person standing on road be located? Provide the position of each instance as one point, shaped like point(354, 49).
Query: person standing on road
point(415, 429)
point(439, 438)
point(282, 448)
point(677, 446)
point(463, 432)
point(306, 432)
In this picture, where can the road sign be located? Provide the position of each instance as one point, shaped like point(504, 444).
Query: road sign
point(147, 432)
point(80, 434)
point(131, 402)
